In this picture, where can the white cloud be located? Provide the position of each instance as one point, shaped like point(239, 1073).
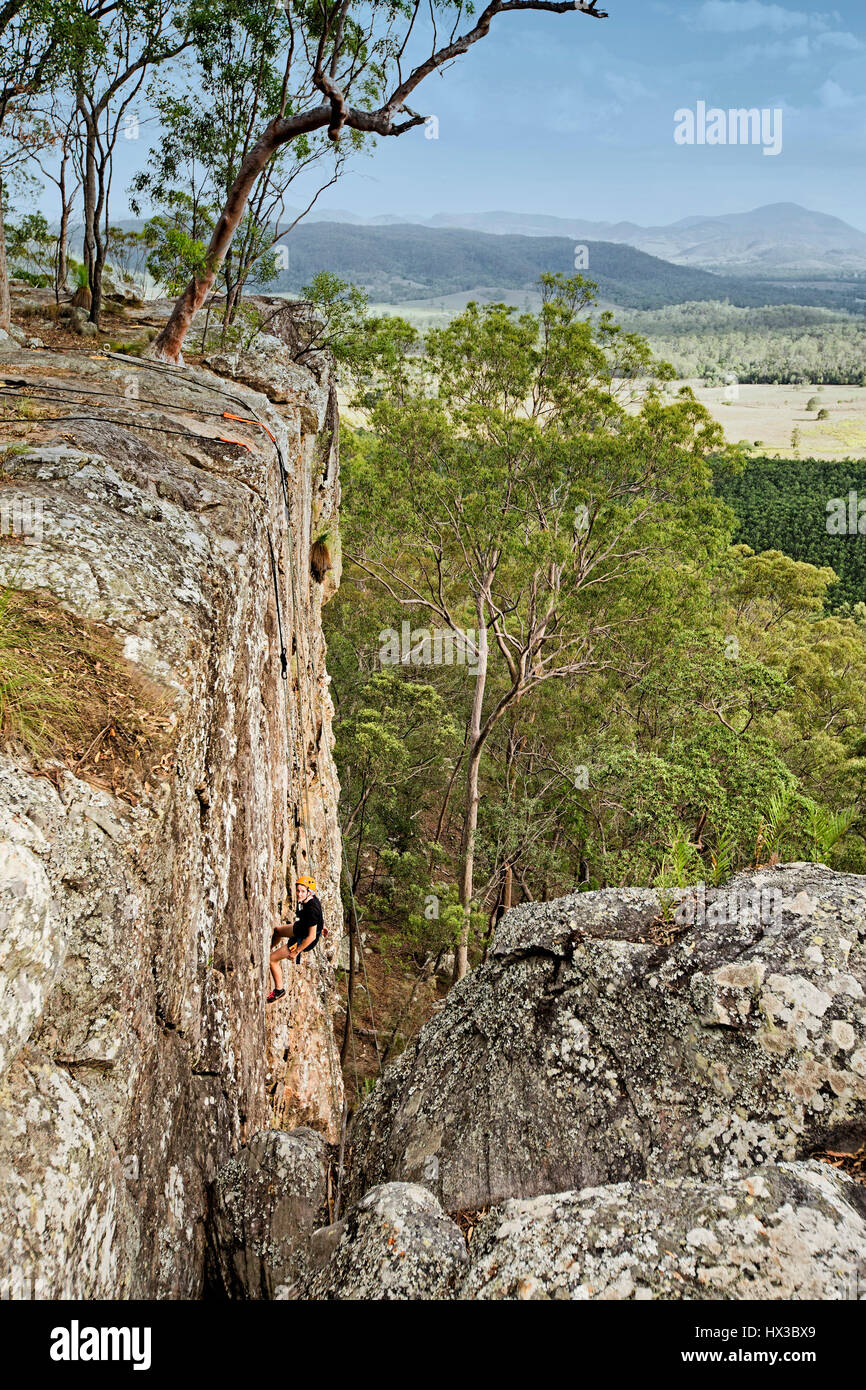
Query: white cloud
point(744, 16)
point(802, 48)
point(835, 98)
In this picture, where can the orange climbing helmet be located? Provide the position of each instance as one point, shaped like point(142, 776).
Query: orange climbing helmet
point(305, 882)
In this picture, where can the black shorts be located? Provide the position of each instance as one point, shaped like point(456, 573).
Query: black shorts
point(296, 941)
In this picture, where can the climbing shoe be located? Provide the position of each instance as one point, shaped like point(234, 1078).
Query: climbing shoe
point(275, 994)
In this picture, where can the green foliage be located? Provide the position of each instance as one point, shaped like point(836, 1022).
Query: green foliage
point(31, 249)
point(784, 505)
point(723, 856)
point(719, 722)
point(780, 344)
point(775, 824)
point(176, 241)
point(237, 82)
point(80, 276)
point(825, 828)
point(364, 347)
point(680, 864)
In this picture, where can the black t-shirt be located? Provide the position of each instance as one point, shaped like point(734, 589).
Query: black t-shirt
point(308, 914)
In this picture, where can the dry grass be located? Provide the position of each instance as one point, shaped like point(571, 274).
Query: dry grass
point(67, 696)
point(771, 414)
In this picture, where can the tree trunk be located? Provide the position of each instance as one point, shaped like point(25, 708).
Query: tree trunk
point(350, 991)
point(467, 855)
point(168, 345)
point(445, 804)
point(89, 206)
point(100, 243)
point(470, 817)
point(62, 238)
point(5, 303)
point(96, 280)
point(499, 909)
point(232, 298)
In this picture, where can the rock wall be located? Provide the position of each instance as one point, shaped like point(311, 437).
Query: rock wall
point(585, 1053)
point(620, 1104)
point(136, 1049)
point(786, 1231)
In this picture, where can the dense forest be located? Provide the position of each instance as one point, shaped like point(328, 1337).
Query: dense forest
point(811, 510)
point(654, 702)
point(781, 344)
point(396, 263)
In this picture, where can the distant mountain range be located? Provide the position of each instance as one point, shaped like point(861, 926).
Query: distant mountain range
point(407, 262)
point(781, 239)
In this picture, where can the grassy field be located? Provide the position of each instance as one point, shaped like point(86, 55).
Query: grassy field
point(771, 414)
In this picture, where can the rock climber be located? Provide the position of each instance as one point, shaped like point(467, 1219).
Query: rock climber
point(304, 932)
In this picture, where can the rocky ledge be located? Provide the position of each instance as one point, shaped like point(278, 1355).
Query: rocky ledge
point(622, 1103)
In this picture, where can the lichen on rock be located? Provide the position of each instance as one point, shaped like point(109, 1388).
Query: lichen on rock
point(581, 1054)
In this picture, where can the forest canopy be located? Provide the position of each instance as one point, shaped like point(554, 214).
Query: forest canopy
point(708, 701)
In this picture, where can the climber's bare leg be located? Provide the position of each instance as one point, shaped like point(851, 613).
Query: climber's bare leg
point(281, 953)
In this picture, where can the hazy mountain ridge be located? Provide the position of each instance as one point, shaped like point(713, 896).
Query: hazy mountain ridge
point(403, 262)
point(778, 238)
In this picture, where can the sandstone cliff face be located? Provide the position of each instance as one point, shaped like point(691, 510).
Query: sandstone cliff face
point(135, 1046)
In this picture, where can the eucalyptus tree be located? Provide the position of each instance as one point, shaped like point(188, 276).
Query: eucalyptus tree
point(526, 482)
point(58, 124)
point(210, 116)
point(133, 38)
point(350, 68)
point(40, 40)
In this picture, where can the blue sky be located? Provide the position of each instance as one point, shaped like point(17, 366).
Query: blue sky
point(574, 117)
point(570, 116)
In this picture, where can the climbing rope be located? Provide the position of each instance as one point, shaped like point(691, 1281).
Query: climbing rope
point(323, 744)
point(302, 743)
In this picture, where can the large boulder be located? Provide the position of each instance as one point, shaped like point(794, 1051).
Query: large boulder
point(266, 1201)
point(396, 1244)
point(785, 1231)
point(585, 1053)
point(792, 1231)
